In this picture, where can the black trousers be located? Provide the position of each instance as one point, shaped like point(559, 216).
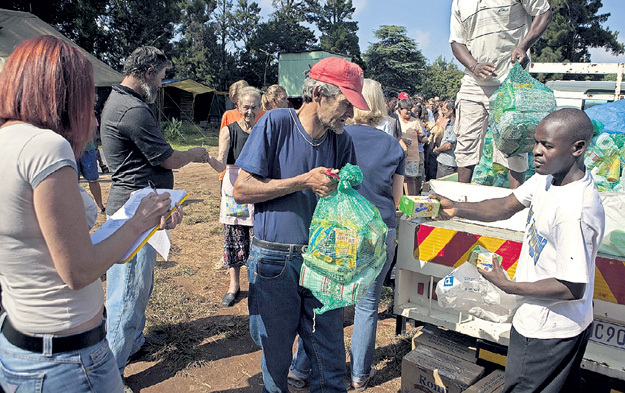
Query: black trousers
point(545, 365)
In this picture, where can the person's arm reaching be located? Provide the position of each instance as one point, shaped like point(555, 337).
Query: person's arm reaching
point(487, 210)
point(499, 209)
point(537, 28)
point(182, 158)
point(219, 163)
point(250, 188)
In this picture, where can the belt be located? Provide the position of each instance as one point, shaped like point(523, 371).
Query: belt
point(297, 248)
point(60, 344)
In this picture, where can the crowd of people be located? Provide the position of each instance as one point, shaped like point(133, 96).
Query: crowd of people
point(425, 130)
point(61, 333)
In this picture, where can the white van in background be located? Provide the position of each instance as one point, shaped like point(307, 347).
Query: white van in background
point(583, 94)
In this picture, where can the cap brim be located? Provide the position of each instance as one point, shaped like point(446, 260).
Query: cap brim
point(355, 98)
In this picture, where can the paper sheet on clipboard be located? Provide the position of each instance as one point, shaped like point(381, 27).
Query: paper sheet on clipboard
point(157, 239)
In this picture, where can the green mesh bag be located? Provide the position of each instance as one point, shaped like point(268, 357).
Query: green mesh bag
point(516, 108)
point(346, 247)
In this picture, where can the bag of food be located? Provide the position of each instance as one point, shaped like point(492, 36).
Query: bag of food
point(517, 106)
point(347, 245)
point(465, 290)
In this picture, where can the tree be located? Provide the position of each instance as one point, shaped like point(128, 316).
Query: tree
point(80, 21)
point(334, 21)
point(222, 22)
point(395, 61)
point(193, 53)
point(246, 18)
point(260, 62)
point(129, 24)
point(110, 29)
point(289, 11)
point(441, 78)
point(575, 27)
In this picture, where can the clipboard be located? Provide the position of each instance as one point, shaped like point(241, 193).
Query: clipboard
point(124, 213)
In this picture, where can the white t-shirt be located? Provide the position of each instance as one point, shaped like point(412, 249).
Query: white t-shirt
point(33, 294)
point(491, 29)
point(565, 225)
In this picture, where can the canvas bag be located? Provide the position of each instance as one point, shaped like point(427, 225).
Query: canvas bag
point(230, 212)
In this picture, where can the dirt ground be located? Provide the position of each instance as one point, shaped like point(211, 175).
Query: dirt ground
point(196, 345)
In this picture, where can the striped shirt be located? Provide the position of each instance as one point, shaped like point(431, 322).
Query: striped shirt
point(491, 29)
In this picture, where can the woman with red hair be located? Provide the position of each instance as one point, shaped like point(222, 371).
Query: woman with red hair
point(52, 334)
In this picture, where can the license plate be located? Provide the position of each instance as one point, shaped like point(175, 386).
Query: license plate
point(608, 333)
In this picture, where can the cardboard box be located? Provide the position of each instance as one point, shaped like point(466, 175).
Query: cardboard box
point(492, 352)
point(443, 343)
point(426, 369)
point(492, 383)
point(419, 206)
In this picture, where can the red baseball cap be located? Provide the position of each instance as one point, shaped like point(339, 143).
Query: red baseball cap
point(343, 74)
point(403, 96)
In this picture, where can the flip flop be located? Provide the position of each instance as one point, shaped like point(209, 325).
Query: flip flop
point(362, 386)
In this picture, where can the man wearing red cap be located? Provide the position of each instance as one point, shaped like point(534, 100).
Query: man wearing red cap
point(284, 164)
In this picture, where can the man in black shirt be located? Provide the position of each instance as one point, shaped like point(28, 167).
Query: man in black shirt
point(136, 152)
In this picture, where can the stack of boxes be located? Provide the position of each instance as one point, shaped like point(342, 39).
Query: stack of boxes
point(441, 363)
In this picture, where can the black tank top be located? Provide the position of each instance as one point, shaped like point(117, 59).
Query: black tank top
point(238, 137)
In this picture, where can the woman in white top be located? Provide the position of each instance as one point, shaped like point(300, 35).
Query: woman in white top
point(53, 337)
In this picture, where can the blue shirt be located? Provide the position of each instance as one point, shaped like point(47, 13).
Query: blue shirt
point(380, 157)
point(279, 148)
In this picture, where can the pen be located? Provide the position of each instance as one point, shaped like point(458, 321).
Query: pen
point(151, 184)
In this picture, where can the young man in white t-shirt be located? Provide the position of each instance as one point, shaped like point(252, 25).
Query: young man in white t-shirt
point(556, 267)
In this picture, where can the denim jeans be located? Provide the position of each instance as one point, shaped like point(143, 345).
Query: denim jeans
point(365, 325)
point(128, 290)
point(90, 369)
point(279, 309)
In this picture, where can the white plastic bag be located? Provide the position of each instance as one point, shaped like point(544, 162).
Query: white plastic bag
point(465, 290)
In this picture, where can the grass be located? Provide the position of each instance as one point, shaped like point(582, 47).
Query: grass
point(183, 135)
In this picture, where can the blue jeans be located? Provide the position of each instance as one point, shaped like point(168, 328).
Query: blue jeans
point(90, 369)
point(365, 325)
point(128, 290)
point(279, 309)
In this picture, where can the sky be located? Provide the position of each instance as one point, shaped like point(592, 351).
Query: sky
point(427, 22)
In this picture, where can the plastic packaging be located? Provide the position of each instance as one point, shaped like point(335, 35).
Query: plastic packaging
point(517, 106)
point(483, 259)
point(419, 206)
point(614, 172)
point(465, 290)
point(346, 246)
